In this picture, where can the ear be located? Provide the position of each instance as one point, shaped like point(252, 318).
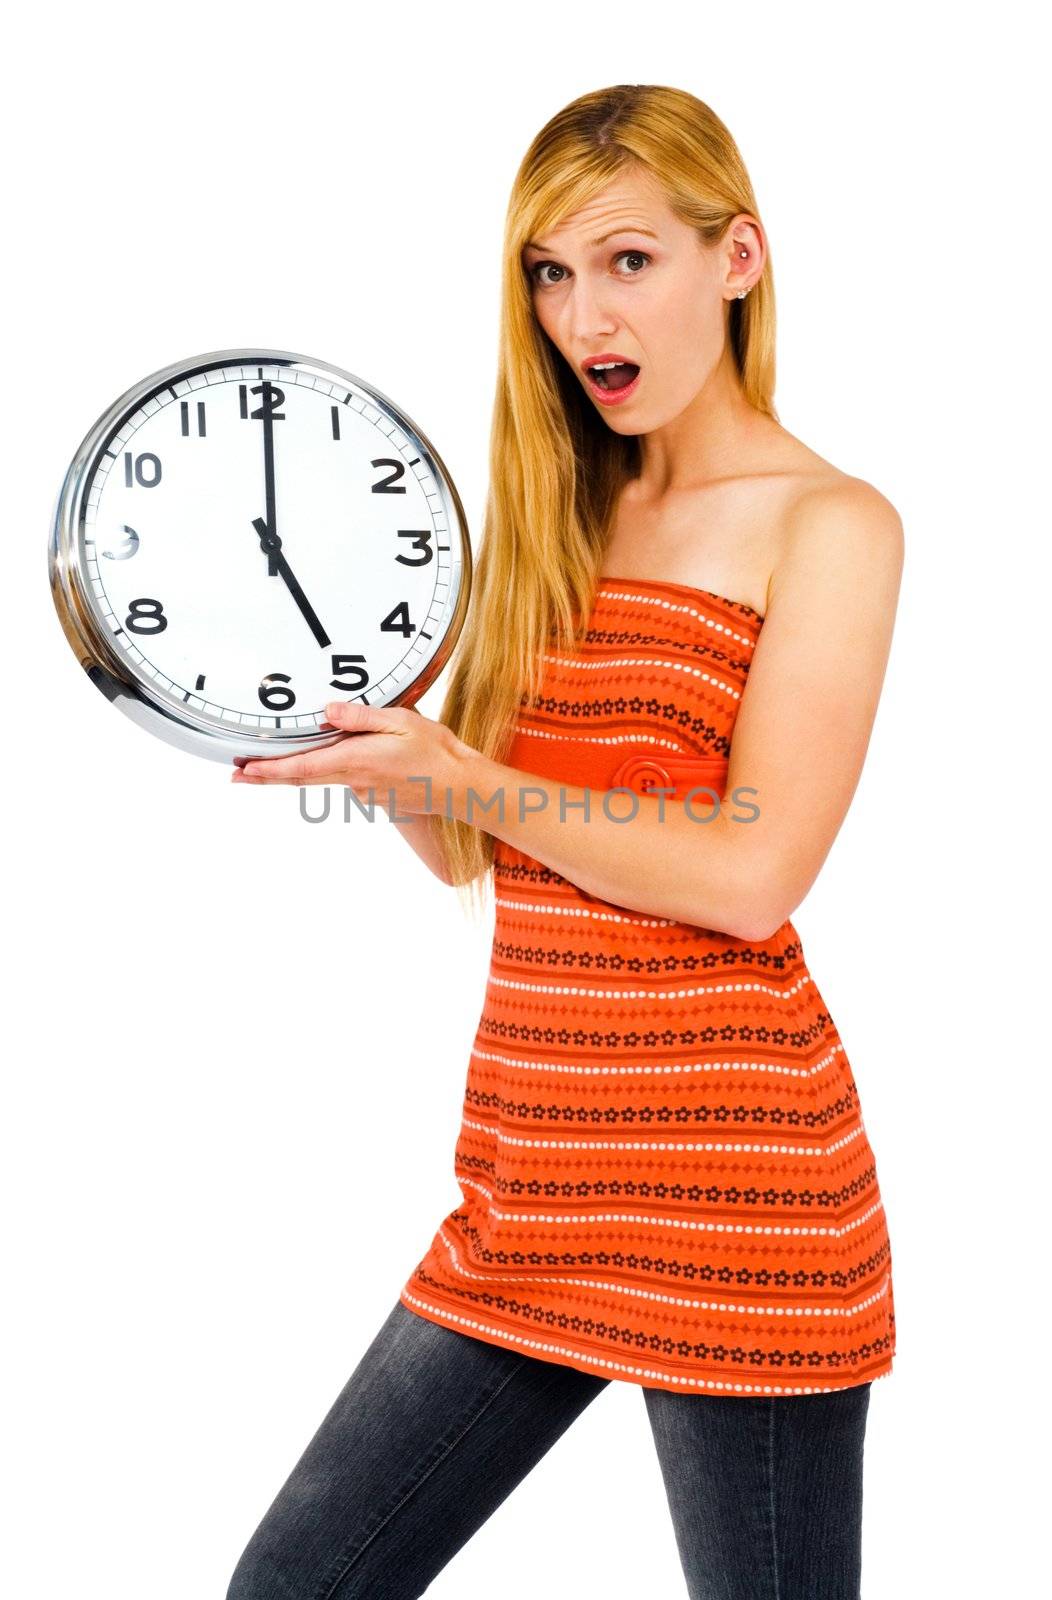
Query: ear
point(744, 255)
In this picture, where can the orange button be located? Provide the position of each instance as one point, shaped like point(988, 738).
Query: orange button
point(641, 773)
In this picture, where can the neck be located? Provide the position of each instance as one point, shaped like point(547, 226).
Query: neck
point(708, 440)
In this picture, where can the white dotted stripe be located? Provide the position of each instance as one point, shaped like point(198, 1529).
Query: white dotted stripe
point(640, 1219)
point(607, 1365)
point(692, 611)
point(656, 994)
point(666, 1144)
point(568, 1069)
point(644, 661)
point(584, 911)
point(686, 1302)
point(612, 738)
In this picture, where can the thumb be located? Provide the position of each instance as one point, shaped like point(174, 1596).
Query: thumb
point(355, 717)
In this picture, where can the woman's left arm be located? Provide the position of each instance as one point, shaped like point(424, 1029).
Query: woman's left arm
point(799, 744)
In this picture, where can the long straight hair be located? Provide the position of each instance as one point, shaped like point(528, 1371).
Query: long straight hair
point(556, 469)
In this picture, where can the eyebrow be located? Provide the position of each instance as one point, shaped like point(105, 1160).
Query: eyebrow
point(532, 245)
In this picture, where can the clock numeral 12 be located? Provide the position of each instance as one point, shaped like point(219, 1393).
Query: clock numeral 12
point(272, 398)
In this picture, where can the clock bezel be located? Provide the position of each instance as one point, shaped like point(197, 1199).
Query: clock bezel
point(111, 671)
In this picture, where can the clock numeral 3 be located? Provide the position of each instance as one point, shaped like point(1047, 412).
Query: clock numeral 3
point(145, 470)
point(385, 485)
point(347, 664)
point(421, 541)
point(146, 616)
point(273, 693)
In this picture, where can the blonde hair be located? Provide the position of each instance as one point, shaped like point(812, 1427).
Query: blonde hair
point(556, 470)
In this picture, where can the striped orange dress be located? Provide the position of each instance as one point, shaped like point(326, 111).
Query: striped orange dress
point(663, 1169)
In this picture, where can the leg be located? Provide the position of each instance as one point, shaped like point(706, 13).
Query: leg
point(432, 1430)
point(765, 1492)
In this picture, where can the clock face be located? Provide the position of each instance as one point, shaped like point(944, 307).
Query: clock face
point(256, 537)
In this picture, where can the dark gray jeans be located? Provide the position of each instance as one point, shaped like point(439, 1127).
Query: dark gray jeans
point(433, 1429)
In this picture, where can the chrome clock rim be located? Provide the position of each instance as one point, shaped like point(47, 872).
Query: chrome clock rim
point(108, 669)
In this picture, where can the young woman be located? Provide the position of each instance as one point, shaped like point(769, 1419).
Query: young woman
point(664, 1171)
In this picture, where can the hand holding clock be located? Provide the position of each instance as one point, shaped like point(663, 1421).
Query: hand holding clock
point(392, 751)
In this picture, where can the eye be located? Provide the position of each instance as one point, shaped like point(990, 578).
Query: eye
point(539, 266)
point(639, 255)
point(548, 283)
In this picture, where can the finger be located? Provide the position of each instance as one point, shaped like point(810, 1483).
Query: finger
point(355, 717)
point(268, 770)
point(323, 766)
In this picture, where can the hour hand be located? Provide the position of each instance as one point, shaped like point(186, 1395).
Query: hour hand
point(271, 543)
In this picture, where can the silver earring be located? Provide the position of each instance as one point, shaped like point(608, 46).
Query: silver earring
point(742, 293)
point(743, 252)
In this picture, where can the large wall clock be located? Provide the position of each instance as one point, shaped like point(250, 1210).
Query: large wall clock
point(245, 536)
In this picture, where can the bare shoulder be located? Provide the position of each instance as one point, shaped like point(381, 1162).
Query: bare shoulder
point(843, 535)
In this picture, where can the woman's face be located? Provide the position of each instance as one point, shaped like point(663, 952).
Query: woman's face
point(625, 278)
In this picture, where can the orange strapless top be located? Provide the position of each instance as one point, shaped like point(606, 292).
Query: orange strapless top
point(662, 1163)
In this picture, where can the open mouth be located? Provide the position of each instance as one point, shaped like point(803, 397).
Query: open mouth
point(614, 375)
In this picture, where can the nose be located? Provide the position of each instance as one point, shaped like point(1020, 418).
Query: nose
point(588, 318)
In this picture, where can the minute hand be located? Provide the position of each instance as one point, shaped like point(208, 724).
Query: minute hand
point(268, 472)
point(270, 544)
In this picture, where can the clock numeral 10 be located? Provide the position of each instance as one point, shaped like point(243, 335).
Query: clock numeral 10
point(145, 470)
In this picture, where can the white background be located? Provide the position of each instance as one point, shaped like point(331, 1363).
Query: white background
point(236, 1044)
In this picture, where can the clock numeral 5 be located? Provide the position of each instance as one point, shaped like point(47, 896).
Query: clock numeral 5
point(347, 664)
point(145, 470)
point(420, 538)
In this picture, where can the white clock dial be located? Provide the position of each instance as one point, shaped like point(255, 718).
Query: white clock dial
point(256, 537)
